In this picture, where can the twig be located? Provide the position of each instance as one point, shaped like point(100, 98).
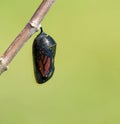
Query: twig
point(31, 27)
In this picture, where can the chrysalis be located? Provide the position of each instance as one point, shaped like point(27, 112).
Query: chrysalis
point(43, 49)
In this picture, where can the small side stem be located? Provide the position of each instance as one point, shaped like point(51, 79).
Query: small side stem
point(31, 27)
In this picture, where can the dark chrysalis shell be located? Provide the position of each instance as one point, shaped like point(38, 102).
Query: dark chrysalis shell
point(44, 49)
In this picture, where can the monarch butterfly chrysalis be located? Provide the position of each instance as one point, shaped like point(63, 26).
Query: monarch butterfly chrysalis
point(43, 50)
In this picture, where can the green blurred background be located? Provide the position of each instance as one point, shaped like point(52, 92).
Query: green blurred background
point(85, 88)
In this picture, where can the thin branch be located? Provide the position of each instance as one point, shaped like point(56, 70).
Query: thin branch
point(31, 27)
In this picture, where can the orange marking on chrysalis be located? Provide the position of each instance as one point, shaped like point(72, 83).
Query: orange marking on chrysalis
point(47, 66)
point(41, 68)
point(45, 58)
